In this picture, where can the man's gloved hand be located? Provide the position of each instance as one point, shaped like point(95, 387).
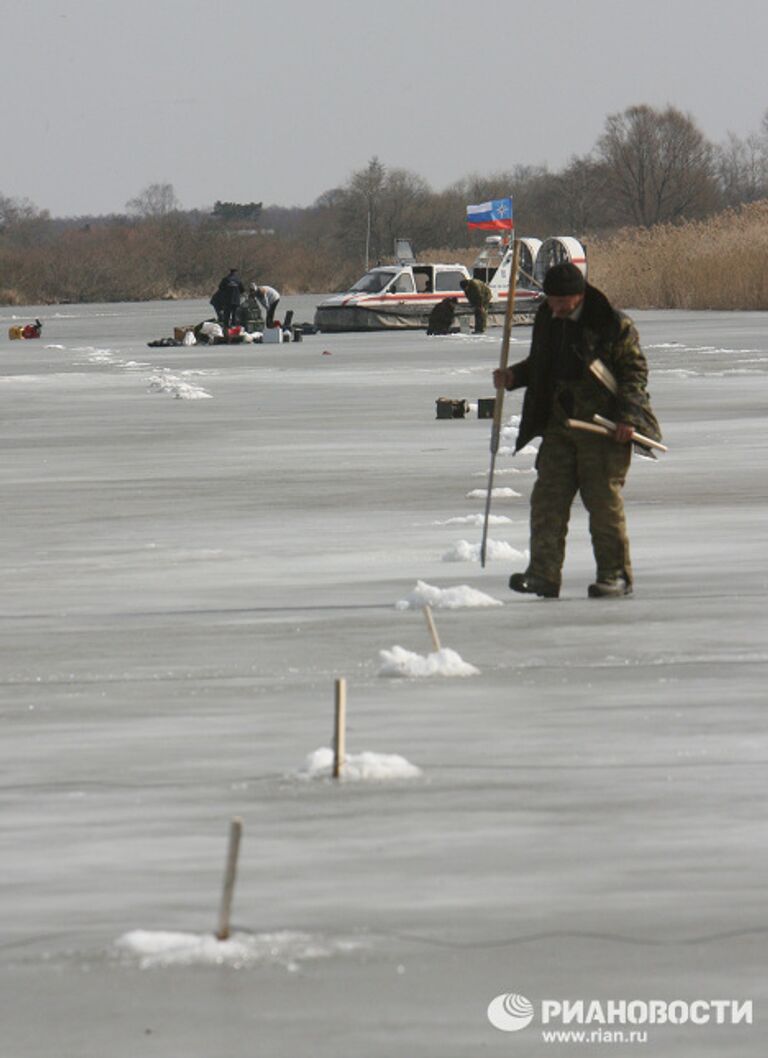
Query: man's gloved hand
point(505, 378)
point(623, 433)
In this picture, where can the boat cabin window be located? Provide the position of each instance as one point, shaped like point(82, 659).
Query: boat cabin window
point(448, 280)
point(423, 277)
point(402, 285)
point(371, 282)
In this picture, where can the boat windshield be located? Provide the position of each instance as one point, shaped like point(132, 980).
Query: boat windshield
point(372, 282)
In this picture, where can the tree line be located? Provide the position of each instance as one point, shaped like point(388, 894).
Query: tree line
point(649, 167)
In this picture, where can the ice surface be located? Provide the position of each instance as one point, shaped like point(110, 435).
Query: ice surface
point(182, 581)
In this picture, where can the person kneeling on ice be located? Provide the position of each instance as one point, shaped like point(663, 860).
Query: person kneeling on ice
point(585, 358)
point(268, 298)
point(442, 317)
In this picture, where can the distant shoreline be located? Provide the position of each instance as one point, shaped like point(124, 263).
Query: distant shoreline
point(715, 264)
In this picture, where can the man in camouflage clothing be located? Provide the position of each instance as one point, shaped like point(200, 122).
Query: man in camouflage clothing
point(585, 358)
point(479, 296)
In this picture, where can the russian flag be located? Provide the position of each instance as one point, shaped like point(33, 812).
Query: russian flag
point(491, 216)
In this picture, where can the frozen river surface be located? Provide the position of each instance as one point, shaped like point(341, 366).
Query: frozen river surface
point(197, 541)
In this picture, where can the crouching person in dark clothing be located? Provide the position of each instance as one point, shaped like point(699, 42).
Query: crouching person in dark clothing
point(442, 317)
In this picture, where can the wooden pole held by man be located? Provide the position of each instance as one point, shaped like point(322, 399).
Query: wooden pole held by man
point(499, 403)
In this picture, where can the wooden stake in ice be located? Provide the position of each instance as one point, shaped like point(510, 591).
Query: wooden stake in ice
point(339, 734)
point(431, 627)
point(235, 833)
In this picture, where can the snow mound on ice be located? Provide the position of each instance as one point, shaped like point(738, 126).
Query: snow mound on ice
point(359, 767)
point(165, 382)
point(504, 470)
point(463, 551)
point(458, 598)
point(503, 493)
point(445, 662)
point(153, 948)
point(476, 519)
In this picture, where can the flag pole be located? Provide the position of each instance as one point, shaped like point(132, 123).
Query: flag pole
point(499, 402)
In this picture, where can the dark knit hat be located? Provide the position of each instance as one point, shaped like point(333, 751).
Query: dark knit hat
point(564, 279)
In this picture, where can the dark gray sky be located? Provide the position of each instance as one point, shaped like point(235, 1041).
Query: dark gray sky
point(278, 102)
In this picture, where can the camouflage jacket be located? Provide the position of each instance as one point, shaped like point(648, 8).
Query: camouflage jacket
point(607, 337)
point(478, 293)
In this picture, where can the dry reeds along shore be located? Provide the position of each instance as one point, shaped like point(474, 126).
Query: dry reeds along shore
point(719, 263)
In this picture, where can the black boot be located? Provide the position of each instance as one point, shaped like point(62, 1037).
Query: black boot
point(610, 588)
point(533, 585)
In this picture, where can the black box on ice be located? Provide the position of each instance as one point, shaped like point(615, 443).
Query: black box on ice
point(449, 408)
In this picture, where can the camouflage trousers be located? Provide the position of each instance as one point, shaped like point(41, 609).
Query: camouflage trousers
point(572, 461)
point(481, 318)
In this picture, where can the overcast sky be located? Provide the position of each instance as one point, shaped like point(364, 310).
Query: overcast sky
point(250, 101)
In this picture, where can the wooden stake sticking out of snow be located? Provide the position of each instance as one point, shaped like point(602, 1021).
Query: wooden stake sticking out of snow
point(235, 833)
point(340, 723)
point(431, 626)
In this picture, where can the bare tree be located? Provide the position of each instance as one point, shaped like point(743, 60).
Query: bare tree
point(659, 166)
point(359, 212)
point(741, 167)
point(403, 209)
point(22, 224)
point(476, 188)
point(534, 192)
point(17, 210)
point(156, 200)
point(576, 196)
point(376, 206)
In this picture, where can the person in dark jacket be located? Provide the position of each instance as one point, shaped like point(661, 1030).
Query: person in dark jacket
point(217, 300)
point(585, 358)
point(479, 295)
point(442, 317)
point(229, 292)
